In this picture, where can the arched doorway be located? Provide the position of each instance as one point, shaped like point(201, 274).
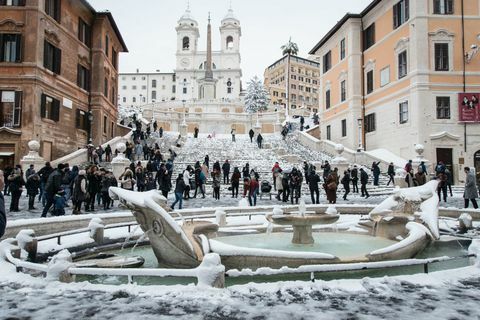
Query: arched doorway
point(476, 163)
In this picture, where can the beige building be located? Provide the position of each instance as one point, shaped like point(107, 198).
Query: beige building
point(302, 81)
point(58, 77)
point(392, 75)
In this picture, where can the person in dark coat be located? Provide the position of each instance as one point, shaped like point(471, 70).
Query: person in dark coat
point(363, 182)
point(179, 190)
point(44, 173)
point(295, 181)
point(79, 194)
point(326, 170)
point(331, 186)
point(286, 187)
point(33, 188)
point(246, 171)
point(235, 182)
point(164, 182)
point(376, 172)
point(313, 181)
point(226, 172)
point(52, 186)
point(259, 140)
point(207, 160)
point(16, 184)
point(354, 178)
point(108, 153)
point(3, 215)
point(471, 192)
point(29, 172)
point(94, 179)
point(391, 174)
point(251, 133)
point(346, 184)
point(195, 133)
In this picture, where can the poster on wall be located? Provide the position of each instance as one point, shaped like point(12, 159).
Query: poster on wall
point(469, 109)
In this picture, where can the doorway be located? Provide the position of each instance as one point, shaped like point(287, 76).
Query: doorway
point(476, 163)
point(446, 155)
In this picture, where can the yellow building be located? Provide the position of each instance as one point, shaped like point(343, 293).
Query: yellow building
point(392, 75)
point(302, 80)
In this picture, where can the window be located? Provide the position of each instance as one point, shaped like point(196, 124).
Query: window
point(52, 57)
point(124, 99)
point(154, 83)
point(107, 44)
point(83, 77)
point(229, 42)
point(401, 13)
point(112, 95)
point(403, 112)
point(443, 107)
point(124, 87)
point(369, 37)
point(343, 90)
point(294, 77)
point(50, 108)
point(344, 127)
point(134, 87)
point(104, 124)
point(370, 81)
point(327, 99)
point(81, 120)
point(327, 61)
point(300, 78)
point(185, 91)
point(112, 127)
point(164, 87)
point(229, 90)
point(144, 87)
point(134, 99)
point(114, 58)
point(53, 8)
point(441, 57)
point(294, 86)
point(342, 49)
point(186, 43)
point(402, 64)
point(84, 32)
point(174, 89)
point(105, 87)
point(308, 89)
point(300, 88)
point(385, 76)
point(10, 109)
point(154, 95)
point(293, 97)
point(443, 6)
point(16, 3)
point(10, 47)
point(370, 124)
point(329, 132)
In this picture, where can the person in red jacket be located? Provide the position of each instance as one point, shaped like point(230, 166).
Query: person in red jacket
point(252, 192)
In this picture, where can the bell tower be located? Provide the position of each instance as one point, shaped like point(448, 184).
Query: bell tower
point(230, 32)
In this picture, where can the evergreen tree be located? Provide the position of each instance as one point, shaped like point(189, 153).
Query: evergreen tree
point(257, 98)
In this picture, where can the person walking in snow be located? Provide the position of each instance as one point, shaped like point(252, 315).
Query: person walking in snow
point(313, 181)
point(391, 174)
point(354, 178)
point(471, 192)
point(346, 183)
point(235, 182)
point(179, 190)
point(376, 172)
point(363, 183)
point(251, 133)
point(259, 140)
point(226, 172)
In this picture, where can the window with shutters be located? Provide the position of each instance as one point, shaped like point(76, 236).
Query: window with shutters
point(53, 9)
point(369, 37)
point(52, 57)
point(441, 57)
point(114, 58)
point(84, 32)
point(50, 108)
point(113, 97)
point(443, 107)
point(105, 87)
point(10, 108)
point(105, 125)
point(343, 90)
point(342, 49)
point(15, 3)
point(10, 47)
point(329, 132)
point(154, 95)
point(443, 6)
point(327, 99)
point(327, 61)
point(403, 112)
point(83, 77)
point(107, 45)
point(344, 127)
point(402, 64)
point(370, 123)
point(370, 81)
point(154, 83)
point(81, 120)
point(401, 13)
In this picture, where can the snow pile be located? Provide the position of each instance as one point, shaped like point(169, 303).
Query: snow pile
point(221, 217)
point(331, 210)
point(94, 225)
point(416, 232)
point(210, 270)
point(277, 211)
point(243, 203)
point(475, 249)
point(24, 237)
point(60, 263)
point(465, 221)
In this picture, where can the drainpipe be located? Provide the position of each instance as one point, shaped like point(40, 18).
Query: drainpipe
point(464, 74)
point(364, 137)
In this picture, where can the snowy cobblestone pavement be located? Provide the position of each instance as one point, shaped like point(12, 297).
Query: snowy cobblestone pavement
point(388, 298)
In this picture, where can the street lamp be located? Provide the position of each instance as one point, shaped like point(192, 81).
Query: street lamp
point(90, 121)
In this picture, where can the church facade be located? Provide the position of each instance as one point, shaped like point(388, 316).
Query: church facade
point(191, 63)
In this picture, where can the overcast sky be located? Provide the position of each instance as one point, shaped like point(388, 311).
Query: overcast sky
point(148, 28)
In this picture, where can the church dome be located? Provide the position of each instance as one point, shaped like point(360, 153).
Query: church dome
point(187, 19)
point(230, 18)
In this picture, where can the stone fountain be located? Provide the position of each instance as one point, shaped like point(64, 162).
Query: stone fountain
point(302, 223)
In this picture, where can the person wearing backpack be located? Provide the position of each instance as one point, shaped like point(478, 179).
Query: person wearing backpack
point(313, 181)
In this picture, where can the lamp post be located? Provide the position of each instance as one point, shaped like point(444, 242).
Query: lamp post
point(90, 121)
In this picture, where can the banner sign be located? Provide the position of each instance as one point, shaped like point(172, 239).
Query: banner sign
point(469, 108)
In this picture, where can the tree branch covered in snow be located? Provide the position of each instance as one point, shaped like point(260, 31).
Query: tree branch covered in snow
point(257, 98)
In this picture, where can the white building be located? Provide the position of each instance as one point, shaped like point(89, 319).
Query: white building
point(190, 69)
point(138, 89)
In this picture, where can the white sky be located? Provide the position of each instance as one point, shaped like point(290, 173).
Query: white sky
point(148, 28)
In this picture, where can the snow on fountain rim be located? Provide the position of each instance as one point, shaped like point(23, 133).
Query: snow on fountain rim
point(416, 232)
point(231, 250)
